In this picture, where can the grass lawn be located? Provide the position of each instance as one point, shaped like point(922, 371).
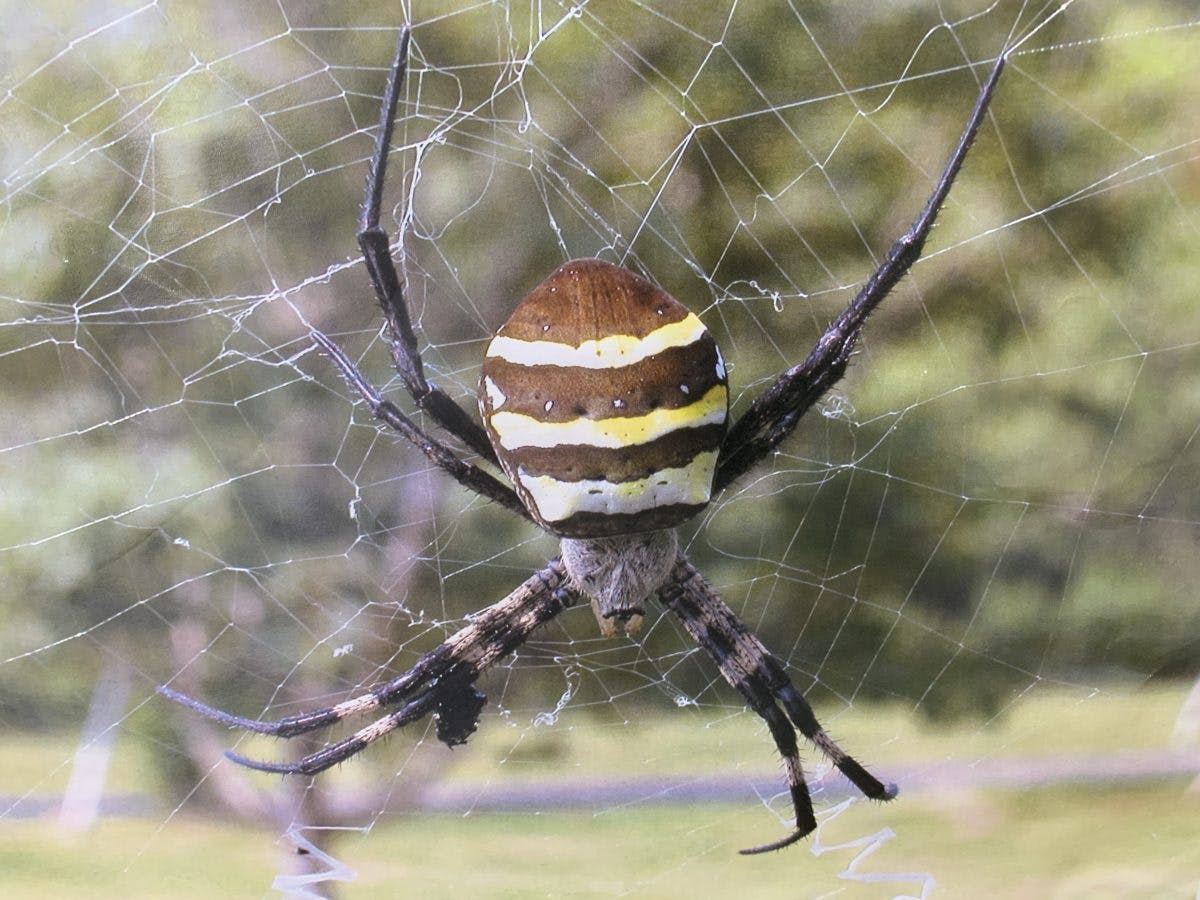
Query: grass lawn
point(1068, 841)
point(1060, 843)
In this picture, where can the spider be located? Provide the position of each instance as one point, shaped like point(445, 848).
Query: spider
point(605, 403)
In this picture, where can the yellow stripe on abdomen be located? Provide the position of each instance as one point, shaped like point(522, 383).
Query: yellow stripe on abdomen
point(516, 430)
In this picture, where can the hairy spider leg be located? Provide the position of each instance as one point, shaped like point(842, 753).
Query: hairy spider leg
point(759, 677)
point(468, 475)
point(775, 412)
point(373, 241)
point(440, 682)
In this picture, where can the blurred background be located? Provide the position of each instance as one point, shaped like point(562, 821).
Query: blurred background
point(977, 557)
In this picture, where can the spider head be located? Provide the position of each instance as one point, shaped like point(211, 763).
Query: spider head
point(606, 402)
point(618, 573)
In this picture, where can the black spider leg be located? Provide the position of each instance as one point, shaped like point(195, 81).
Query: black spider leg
point(760, 678)
point(775, 412)
point(442, 681)
point(373, 241)
point(468, 475)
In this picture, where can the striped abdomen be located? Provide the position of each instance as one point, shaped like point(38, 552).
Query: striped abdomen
point(605, 399)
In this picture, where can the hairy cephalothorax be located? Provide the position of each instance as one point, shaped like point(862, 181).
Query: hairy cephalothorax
point(618, 574)
point(604, 401)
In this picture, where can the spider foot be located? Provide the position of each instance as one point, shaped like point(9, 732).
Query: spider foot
point(261, 765)
point(287, 727)
point(777, 845)
point(857, 774)
point(889, 791)
point(217, 715)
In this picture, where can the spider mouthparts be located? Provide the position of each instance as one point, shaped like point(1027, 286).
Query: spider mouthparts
point(629, 620)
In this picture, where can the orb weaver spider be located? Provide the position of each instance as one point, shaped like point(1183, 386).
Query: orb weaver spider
point(605, 403)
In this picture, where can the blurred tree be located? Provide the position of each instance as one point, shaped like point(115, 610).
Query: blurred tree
point(1003, 490)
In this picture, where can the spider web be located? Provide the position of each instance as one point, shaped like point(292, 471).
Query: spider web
point(998, 503)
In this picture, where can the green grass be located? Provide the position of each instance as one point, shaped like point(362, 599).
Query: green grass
point(1040, 722)
point(1038, 844)
point(135, 859)
point(1069, 841)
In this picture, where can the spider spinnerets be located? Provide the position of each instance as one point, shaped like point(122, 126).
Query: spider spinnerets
point(604, 402)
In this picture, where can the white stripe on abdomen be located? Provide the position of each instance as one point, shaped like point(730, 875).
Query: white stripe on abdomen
point(559, 500)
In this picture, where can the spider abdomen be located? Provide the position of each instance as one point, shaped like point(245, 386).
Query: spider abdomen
point(605, 399)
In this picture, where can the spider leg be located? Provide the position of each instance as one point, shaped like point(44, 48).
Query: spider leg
point(428, 667)
point(374, 243)
point(441, 682)
point(760, 678)
point(469, 476)
point(335, 753)
point(775, 412)
point(805, 719)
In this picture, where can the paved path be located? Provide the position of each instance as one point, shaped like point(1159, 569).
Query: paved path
point(1002, 773)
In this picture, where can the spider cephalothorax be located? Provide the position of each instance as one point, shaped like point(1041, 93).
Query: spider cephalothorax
point(604, 401)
